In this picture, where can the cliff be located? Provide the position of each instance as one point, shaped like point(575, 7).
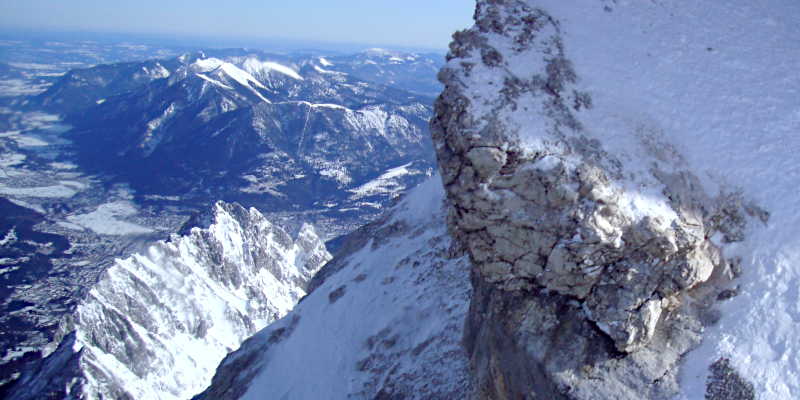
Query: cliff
point(156, 323)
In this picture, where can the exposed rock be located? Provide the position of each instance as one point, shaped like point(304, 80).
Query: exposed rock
point(726, 384)
point(156, 323)
point(577, 294)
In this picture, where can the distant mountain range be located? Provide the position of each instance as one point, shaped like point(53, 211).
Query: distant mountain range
point(339, 135)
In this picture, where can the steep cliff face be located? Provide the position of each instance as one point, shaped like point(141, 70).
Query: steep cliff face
point(590, 235)
point(156, 324)
point(383, 321)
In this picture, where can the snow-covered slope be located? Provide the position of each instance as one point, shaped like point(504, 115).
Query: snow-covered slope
point(157, 323)
point(384, 320)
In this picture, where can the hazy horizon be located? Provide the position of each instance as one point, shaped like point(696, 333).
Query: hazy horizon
point(413, 24)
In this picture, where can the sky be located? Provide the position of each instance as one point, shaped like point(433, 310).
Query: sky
point(408, 23)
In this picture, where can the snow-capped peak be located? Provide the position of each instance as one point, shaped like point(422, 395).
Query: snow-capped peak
point(207, 64)
point(244, 78)
point(158, 322)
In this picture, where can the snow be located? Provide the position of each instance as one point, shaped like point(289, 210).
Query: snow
point(183, 303)
point(25, 204)
point(105, 219)
point(377, 51)
point(325, 71)
point(386, 183)
point(51, 191)
point(158, 72)
point(151, 140)
point(711, 87)
point(26, 139)
point(253, 66)
point(213, 81)
point(325, 62)
point(319, 105)
point(9, 159)
point(241, 76)
point(394, 313)
point(10, 237)
point(63, 165)
point(244, 78)
point(20, 87)
point(208, 64)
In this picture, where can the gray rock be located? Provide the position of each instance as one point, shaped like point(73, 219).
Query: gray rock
point(576, 296)
point(725, 383)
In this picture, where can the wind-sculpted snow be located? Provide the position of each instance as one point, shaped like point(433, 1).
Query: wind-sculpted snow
point(157, 323)
point(384, 320)
point(598, 240)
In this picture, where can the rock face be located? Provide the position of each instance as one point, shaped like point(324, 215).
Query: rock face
point(157, 323)
point(586, 286)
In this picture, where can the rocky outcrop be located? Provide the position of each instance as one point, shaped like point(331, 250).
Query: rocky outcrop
point(586, 286)
point(157, 323)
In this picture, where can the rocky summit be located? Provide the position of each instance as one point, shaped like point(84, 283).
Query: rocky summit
point(156, 323)
point(583, 287)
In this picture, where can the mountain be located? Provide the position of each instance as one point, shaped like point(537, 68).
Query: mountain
point(157, 322)
point(383, 319)
point(284, 133)
point(74, 203)
point(415, 72)
point(620, 181)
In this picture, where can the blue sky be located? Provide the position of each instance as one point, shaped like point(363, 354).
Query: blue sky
point(409, 23)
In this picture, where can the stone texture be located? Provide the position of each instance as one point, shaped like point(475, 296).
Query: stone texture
point(576, 296)
point(725, 383)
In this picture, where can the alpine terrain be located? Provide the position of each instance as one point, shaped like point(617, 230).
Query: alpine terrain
point(618, 185)
point(105, 170)
point(286, 133)
point(156, 323)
